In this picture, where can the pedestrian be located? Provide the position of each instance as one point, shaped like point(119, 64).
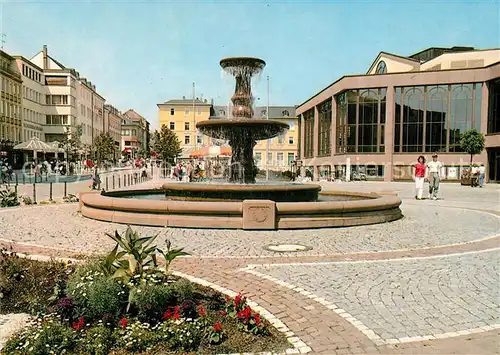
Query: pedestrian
point(419, 177)
point(482, 172)
point(434, 176)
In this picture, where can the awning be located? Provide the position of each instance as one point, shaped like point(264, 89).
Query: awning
point(34, 144)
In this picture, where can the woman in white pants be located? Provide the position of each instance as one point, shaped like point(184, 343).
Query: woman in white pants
point(419, 177)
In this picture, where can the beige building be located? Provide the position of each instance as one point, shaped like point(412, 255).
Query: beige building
point(135, 134)
point(113, 125)
point(378, 123)
point(10, 105)
point(181, 116)
point(33, 101)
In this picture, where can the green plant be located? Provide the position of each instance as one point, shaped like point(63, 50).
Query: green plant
point(47, 336)
point(171, 254)
point(26, 200)
point(472, 142)
point(28, 285)
point(135, 337)
point(183, 290)
point(98, 340)
point(8, 198)
point(95, 295)
point(70, 198)
point(216, 334)
point(150, 300)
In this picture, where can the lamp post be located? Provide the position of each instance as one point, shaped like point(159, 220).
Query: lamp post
point(267, 146)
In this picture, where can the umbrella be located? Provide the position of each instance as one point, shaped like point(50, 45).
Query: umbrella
point(55, 147)
point(211, 151)
point(35, 145)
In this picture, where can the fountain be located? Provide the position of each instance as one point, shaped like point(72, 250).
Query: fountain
point(243, 203)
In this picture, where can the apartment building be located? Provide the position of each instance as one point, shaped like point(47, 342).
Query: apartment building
point(72, 102)
point(113, 125)
point(135, 134)
point(33, 99)
point(378, 123)
point(181, 116)
point(282, 150)
point(10, 105)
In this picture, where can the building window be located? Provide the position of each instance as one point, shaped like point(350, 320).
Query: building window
point(381, 67)
point(291, 158)
point(56, 119)
point(280, 159)
point(325, 127)
point(291, 140)
point(308, 133)
point(493, 107)
point(134, 132)
point(172, 112)
point(186, 112)
point(187, 140)
point(186, 126)
point(172, 126)
point(199, 139)
point(263, 113)
point(222, 113)
point(285, 113)
point(269, 158)
point(360, 121)
point(438, 125)
point(258, 158)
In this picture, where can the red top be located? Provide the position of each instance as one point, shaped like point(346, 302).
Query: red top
point(420, 170)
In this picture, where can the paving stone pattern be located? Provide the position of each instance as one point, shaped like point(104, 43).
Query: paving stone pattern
point(407, 298)
point(428, 227)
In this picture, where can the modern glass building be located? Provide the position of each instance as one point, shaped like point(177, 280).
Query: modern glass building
point(377, 124)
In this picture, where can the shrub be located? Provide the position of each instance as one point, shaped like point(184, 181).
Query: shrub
point(28, 285)
point(95, 295)
point(70, 198)
point(48, 336)
point(183, 290)
point(151, 300)
point(135, 337)
point(26, 200)
point(98, 341)
point(8, 198)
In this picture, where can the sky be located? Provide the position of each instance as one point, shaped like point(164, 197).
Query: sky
point(141, 53)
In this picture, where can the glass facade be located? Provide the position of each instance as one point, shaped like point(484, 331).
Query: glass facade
point(494, 107)
point(309, 133)
point(432, 118)
point(361, 121)
point(325, 128)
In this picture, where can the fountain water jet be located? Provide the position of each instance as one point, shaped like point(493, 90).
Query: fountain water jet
point(242, 131)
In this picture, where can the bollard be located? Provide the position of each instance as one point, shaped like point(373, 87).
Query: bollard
point(34, 193)
point(113, 182)
point(125, 181)
point(15, 189)
point(65, 188)
point(118, 181)
point(16, 178)
point(46, 177)
point(50, 191)
point(106, 183)
point(135, 178)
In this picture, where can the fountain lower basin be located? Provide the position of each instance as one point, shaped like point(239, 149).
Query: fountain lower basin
point(346, 209)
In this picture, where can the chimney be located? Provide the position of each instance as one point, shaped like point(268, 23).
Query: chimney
point(45, 59)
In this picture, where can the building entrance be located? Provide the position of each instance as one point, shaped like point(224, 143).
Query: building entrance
point(494, 164)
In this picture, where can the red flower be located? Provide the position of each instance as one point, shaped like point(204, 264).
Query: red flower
point(217, 327)
point(224, 313)
point(123, 322)
point(176, 313)
point(256, 317)
point(245, 314)
point(79, 325)
point(167, 315)
point(201, 310)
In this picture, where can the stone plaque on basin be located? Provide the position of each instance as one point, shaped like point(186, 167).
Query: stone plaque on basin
point(259, 214)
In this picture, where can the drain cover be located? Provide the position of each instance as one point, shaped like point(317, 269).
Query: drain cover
point(287, 247)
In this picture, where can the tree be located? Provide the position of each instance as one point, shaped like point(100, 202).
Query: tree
point(71, 142)
point(166, 144)
point(104, 146)
point(472, 142)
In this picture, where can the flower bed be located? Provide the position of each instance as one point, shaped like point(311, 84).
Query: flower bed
point(126, 303)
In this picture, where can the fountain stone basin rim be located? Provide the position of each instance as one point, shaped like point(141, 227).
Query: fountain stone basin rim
point(256, 129)
point(247, 214)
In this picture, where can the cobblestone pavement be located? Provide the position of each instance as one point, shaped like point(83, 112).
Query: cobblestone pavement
point(426, 284)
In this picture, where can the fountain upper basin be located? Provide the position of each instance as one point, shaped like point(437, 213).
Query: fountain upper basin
point(256, 129)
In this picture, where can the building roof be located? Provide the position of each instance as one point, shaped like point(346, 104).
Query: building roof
point(27, 61)
point(197, 101)
point(394, 56)
point(434, 52)
point(133, 115)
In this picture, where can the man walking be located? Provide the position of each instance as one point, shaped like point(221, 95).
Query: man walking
point(434, 175)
